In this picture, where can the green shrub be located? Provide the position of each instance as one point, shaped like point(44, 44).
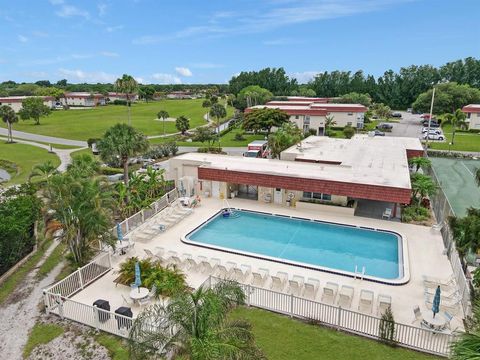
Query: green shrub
point(107, 170)
point(386, 327)
point(348, 131)
point(119, 102)
point(168, 280)
point(239, 136)
point(415, 213)
point(211, 149)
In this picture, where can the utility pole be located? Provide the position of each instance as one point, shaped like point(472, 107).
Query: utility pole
point(430, 118)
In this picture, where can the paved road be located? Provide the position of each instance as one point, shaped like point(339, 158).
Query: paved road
point(409, 126)
point(234, 151)
point(42, 138)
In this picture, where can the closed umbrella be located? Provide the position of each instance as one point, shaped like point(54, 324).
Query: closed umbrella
point(119, 232)
point(436, 301)
point(138, 280)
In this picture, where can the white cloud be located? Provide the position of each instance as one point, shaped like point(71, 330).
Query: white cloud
point(86, 76)
point(114, 28)
point(183, 71)
point(140, 80)
point(109, 54)
point(305, 76)
point(166, 78)
point(102, 9)
point(66, 11)
point(22, 38)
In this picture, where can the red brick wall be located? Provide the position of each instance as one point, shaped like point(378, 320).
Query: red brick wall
point(359, 191)
point(414, 153)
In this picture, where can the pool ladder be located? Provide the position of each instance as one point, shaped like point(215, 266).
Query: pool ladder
point(358, 274)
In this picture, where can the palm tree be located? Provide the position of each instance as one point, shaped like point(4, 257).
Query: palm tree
point(84, 208)
point(218, 111)
point(477, 176)
point(468, 343)
point(129, 86)
point(121, 142)
point(207, 104)
point(163, 114)
point(422, 185)
point(457, 119)
point(420, 162)
point(44, 170)
point(9, 117)
point(195, 326)
point(84, 165)
point(329, 121)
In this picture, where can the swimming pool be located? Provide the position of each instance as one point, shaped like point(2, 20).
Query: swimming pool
point(311, 244)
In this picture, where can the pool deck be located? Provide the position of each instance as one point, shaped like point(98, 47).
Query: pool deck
point(424, 246)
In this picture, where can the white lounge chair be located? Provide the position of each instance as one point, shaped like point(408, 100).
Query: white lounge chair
point(451, 306)
point(387, 214)
point(449, 293)
point(205, 267)
point(384, 301)
point(365, 303)
point(345, 296)
point(311, 288)
point(241, 274)
point(278, 281)
point(190, 264)
point(448, 319)
point(295, 285)
point(445, 284)
point(330, 292)
point(259, 277)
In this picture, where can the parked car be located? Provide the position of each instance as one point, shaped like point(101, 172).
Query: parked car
point(433, 124)
point(379, 133)
point(434, 137)
point(396, 114)
point(410, 110)
point(385, 126)
point(432, 131)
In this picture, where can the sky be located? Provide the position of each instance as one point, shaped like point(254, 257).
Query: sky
point(209, 41)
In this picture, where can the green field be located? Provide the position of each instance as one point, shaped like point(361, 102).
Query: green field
point(92, 123)
point(281, 338)
point(25, 157)
point(464, 141)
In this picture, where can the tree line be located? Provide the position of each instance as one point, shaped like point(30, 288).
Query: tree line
point(398, 90)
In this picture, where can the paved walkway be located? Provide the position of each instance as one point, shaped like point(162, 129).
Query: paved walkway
point(46, 139)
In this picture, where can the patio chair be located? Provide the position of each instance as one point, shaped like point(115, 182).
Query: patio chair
point(311, 288)
point(418, 314)
point(190, 264)
point(205, 267)
point(230, 265)
point(384, 301)
point(241, 274)
point(345, 296)
point(366, 300)
point(149, 253)
point(159, 251)
point(259, 277)
point(295, 285)
point(183, 210)
point(387, 214)
point(126, 301)
point(278, 281)
point(448, 319)
point(330, 292)
point(221, 271)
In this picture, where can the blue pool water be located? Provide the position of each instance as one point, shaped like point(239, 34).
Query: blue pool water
point(312, 243)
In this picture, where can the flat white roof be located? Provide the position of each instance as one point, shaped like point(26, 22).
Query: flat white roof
point(365, 166)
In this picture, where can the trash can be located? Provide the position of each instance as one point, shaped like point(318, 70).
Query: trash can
point(122, 322)
point(104, 305)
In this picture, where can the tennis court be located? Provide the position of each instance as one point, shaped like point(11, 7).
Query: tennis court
point(457, 179)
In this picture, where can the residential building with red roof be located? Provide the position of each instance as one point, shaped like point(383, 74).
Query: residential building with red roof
point(473, 116)
point(15, 102)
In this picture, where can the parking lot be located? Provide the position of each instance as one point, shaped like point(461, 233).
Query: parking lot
point(410, 125)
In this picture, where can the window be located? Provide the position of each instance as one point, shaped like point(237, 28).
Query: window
point(297, 117)
point(307, 195)
point(350, 114)
point(306, 121)
point(349, 123)
point(306, 128)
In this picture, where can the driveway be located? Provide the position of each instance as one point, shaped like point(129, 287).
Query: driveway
point(409, 126)
point(42, 138)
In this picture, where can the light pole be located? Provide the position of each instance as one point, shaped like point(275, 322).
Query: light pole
point(430, 117)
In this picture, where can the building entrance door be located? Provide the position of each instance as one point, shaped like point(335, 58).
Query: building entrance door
point(216, 189)
point(321, 131)
point(277, 196)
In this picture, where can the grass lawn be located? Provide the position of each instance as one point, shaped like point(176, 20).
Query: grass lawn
point(117, 347)
point(25, 157)
point(17, 277)
point(281, 338)
point(227, 140)
point(92, 123)
point(464, 141)
point(41, 334)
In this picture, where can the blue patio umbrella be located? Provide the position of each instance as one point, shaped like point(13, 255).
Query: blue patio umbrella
point(138, 280)
point(436, 301)
point(119, 232)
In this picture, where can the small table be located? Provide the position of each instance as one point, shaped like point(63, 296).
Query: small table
point(435, 323)
point(185, 201)
point(139, 293)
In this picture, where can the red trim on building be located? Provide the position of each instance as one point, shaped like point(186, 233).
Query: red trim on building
point(471, 108)
point(415, 153)
point(358, 191)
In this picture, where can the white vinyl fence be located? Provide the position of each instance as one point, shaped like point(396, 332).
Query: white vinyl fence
point(443, 210)
point(342, 319)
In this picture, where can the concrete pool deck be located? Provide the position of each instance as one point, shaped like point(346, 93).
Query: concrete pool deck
point(424, 246)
